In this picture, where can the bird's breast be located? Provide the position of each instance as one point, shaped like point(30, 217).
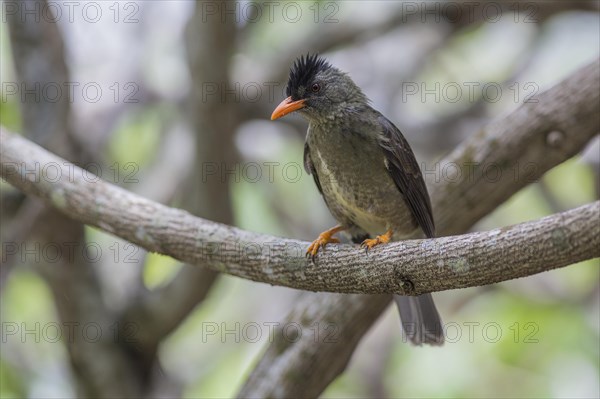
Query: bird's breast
point(355, 183)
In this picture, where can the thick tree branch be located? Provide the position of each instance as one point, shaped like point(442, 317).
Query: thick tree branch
point(407, 267)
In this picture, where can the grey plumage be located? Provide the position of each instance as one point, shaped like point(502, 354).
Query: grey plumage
point(365, 170)
point(420, 319)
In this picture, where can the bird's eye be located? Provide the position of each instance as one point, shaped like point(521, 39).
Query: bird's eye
point(316, 87)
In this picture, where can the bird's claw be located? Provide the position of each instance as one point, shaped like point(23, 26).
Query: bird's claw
point(321, 241)
point(373, 242)
point(370, 243)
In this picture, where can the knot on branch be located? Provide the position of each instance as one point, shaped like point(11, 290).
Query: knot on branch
point(555, 139)
point(405, 285)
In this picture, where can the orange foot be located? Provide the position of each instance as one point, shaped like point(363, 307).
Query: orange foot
point(323, 239)
point(382, 239)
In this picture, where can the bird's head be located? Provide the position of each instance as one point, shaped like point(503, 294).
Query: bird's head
point(319, 91)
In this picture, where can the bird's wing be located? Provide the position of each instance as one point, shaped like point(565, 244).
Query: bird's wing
point(404, 170)
point(310, 168)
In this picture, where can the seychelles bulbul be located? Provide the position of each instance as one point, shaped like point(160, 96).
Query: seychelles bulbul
point(366, 172)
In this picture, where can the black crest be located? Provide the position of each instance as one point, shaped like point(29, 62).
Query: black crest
point(303, 71)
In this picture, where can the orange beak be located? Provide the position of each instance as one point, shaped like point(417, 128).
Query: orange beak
point(285, 107)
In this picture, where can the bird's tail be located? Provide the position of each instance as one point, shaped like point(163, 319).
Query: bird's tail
point(420, 319)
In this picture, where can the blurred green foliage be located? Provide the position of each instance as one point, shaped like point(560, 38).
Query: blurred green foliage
point(136, 137)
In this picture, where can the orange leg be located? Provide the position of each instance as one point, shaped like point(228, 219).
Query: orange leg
point(323, 239)
point(383, 239)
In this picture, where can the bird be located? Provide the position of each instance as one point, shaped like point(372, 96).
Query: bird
point(366, 173)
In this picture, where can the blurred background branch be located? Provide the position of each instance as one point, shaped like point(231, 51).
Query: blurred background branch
point(102, 370)
point(160, 311)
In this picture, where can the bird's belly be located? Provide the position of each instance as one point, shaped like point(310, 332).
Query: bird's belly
point(359, 192)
